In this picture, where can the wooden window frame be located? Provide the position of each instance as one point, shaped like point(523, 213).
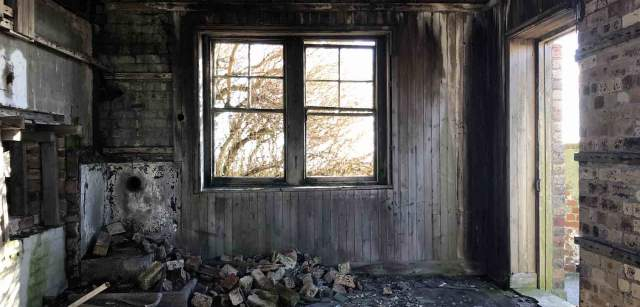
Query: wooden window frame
point(295, 111)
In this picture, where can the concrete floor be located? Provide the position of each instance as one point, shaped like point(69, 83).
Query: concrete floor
point(429, 292)
point(572, 288)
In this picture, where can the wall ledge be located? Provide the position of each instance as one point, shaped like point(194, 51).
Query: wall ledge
point(608, 157)
point(609, 250)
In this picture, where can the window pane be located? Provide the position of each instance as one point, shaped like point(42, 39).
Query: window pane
point(356, 64)
point(248, 145)
point(341, 42)
point(321, 94)
point(321, 64)
point(231, 92)
point(231, 59)
point(266, 60)
point(356, 95)
point(266, 93)
point(340, 146)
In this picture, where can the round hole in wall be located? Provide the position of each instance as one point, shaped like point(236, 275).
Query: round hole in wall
point(180, 117)
point(10, 77)
point(134, 184)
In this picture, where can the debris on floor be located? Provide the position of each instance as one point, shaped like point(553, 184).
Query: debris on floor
point(147, 271)
point(433, 291)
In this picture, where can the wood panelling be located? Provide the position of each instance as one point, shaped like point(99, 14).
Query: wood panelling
point(522, 155)
point(523, 13)
point(424, 216)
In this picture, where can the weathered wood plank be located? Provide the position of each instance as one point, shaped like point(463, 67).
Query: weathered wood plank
point(51, 201)
point(418, 218)
point(18, 187)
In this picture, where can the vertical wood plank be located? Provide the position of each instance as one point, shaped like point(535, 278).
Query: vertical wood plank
point(435, 134)
point(335, 218)
point(427, 68)
point(50, 201)
point(239, 221)
point(228, 223)
point(278, 227)
point(4, 210)
point(357, 210)
point(25, 18)
point(18, 187)
point(213, 236)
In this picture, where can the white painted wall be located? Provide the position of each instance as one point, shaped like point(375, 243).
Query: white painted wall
point(31, 268)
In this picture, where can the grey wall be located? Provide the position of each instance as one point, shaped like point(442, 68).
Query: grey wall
point(45, 80)
point(152, 210)
point(32, 267)
point(435, 212)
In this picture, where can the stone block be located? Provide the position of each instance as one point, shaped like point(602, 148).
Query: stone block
point(150, 276)
point(624, 286)
point(344, 268)
point(201, 300)
point(236, 297)
point(101, 248)
point(261, 280)
point(345, 280)
point(246, 282)
point(175, 264)
point(116, 228)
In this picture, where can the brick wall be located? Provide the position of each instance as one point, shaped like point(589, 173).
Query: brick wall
point(565, 208)
point(135, 103)
point(609, 57)
point(557, 169)
point(31, 222)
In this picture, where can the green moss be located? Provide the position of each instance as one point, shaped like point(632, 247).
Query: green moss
point(37, 273)
point(571, 174)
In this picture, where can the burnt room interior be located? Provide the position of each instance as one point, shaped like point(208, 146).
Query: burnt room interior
point(322, 153)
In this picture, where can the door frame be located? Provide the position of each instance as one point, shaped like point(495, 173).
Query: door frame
point(523, 211)
point(543, 158)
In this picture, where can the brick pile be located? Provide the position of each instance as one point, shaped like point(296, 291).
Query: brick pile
point(135, 263)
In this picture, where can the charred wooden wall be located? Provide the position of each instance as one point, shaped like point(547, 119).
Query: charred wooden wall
point(521, 13)
point(441, 206)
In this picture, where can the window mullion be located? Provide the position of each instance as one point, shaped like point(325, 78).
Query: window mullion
point(294, 111)
point(208, 116)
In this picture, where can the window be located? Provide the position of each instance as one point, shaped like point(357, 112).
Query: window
point(294, 111)
point(248, 110)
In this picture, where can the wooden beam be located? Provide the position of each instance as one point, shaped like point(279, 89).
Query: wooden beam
point(4, 210)
point(60, 130)
point(38, 136)
point(50, 209)
point(25, 20)
point(18, 181)
point(5, 10)
point(90, 295)
point(195, 6)
point(11, 135)
point(138, 76)
point(15, 122)
point(32, 116)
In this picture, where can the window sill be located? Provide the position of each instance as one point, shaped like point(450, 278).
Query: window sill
point(294, 188)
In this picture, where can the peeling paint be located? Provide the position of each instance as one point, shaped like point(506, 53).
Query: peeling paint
point(150, 206)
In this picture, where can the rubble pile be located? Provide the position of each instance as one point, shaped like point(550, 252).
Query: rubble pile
point(137, 263)
point(281, 279)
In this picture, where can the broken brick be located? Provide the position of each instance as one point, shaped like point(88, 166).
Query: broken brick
point(150, 276)
point(261, 280)
point(201, 300)
point(345, 280)
point(101, 248)
point(236, 297)
point(116, 228)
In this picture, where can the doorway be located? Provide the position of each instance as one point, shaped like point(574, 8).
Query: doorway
point(558, 138)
